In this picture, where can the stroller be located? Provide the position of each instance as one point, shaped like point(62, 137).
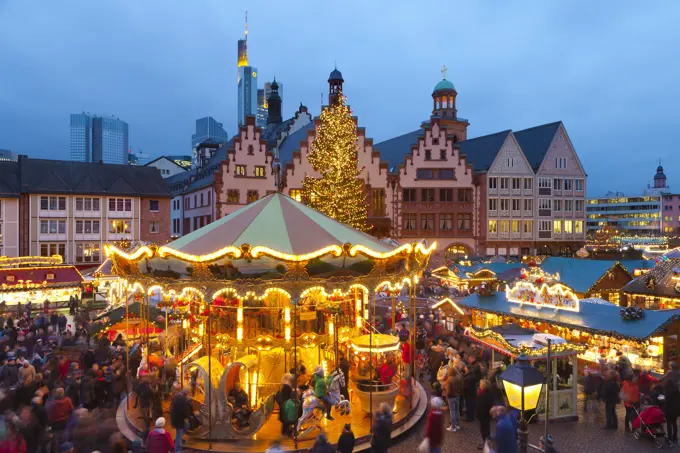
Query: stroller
point(650, 424)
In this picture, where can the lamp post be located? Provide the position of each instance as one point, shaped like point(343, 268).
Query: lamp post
point(523, 385)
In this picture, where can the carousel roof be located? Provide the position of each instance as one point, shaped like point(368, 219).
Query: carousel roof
point(377, 343)
point(279, 223)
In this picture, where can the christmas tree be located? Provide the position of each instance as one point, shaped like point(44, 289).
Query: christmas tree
point(338, 193)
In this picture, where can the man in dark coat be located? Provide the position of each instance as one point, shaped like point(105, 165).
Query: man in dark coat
point(180, 410)
point(611, 399)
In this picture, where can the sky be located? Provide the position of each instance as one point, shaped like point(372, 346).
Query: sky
point(609, 70)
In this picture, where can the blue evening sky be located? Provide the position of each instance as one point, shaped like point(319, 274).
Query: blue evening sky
point(609, 70)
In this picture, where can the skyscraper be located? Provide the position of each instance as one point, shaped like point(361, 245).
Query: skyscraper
point(247, 81)
point(99, 138)
point(262, 98)
point(207, 130)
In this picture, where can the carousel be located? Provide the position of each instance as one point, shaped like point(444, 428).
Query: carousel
point(276, 291)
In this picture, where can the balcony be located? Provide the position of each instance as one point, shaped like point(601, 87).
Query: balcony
point(516, 234)
point(44, 237)
point(504, 213)
point(504, 191)
point(516, 191)
point(504, 235)
point(516, 213)
point(527, 235)
point(528, 191)
point(493, 213)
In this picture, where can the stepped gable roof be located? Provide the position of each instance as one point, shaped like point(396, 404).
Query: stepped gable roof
point(67, 177)
point(292, 143)
point(578, 274)
point(272, 132)
point(299, 230)
point(536, 141)
point(480, 152)
point(10, 181)
point(659, 281)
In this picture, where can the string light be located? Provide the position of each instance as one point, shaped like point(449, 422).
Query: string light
point(339, 191)
point(448, 301)
point(142, 252)
point(235, 252)
point(557, 296)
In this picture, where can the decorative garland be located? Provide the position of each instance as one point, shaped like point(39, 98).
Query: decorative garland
point(632, 313)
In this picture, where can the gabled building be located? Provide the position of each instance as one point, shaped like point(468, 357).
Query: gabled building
point(167, 166)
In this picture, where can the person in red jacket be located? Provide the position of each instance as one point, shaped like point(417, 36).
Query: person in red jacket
point(160, 440)
point(406, 359)
point(434, 431)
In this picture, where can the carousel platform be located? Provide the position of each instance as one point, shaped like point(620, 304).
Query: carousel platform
point(131, 424)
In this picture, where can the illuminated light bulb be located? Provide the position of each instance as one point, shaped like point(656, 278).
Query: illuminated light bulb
point(287, 334)
point(239, 333)
point(239, 315)
point(286, 315)
point(200, 330)
point(253, 394)
point(185, 324)
point(366, 313)
point(331, 328)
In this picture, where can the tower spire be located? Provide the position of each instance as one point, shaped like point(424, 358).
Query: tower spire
point(246, 32)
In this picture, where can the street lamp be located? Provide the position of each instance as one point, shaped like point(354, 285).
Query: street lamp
point(523, 385)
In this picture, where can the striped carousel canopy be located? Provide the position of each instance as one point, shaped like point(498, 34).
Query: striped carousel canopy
point(278, 222)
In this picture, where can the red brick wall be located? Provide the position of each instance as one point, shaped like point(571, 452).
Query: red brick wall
point(162, 216)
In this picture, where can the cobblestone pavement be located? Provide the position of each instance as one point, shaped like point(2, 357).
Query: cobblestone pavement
point(583, 436)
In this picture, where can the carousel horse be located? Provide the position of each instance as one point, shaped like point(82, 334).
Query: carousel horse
point(313, 408)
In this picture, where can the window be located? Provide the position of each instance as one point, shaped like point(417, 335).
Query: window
point(53, 249)
point(409, 195)
point(87, 226)
point(561, 162)
point(79, 204)
point(120, 204)
point(578, 226)
point(154, 205)
point(568, 204)
point(568, 184)
point(155, 227)
point(87, 204)
point(516, 183)
point(557, 226)
point(295, 194)
point(252, 196)
point(544, 183)
point(426, 194)
point(528, 226)
point(493, 183)
point(504, 183)
point(493, 204)
point(427, 222)
point(409, 222)
point(544, 225)
point(579, 205)
point(528, 183)
point(53, 203)
point(557, 184)
point(435, 141)
point(207, 194)
point(240, 170)
point(544, 203)
point(259, 171)
point(528, 204)
point(87, 253)
point(425, 173)
point(493, 226)
point(251, 150)
point(446, 221)
point(516, 204)
point(445, 173)
point(428, 154)
point(446, 195)
point(53, 227)
point(505, 204)
point(464, 221)
point(119, 227)
point(505, 226)
point(442, 154)
point(568, 226)
point(378, 202)
point(195, 200)
point(465, 195)
point(557, 205)
point(511, 162)
point(579, 185)
point(233, 196)
point(515, 226)
point(202, 203)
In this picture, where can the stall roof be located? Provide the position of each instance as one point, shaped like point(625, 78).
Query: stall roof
point(659, 281)
point(600, 319)
point(63, 276)
point(577, 273)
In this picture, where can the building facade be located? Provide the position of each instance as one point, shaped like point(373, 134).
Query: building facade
point(99, 139)
point(207, 129)
point(72, 209)
point(6, 154)
point(10, 187)
point(167, 166)
point(632, 216)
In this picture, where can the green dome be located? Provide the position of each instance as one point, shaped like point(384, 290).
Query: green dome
point(444, 85)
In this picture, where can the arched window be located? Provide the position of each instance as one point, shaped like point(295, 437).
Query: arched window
point(455, 138)
point(445, 103)
point(451, 101)
point(436, 104)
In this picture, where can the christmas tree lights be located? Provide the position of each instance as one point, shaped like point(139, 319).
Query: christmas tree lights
point(338, 193)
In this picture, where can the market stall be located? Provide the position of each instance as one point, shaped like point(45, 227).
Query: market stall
point(512, 340)
point(38, 284)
